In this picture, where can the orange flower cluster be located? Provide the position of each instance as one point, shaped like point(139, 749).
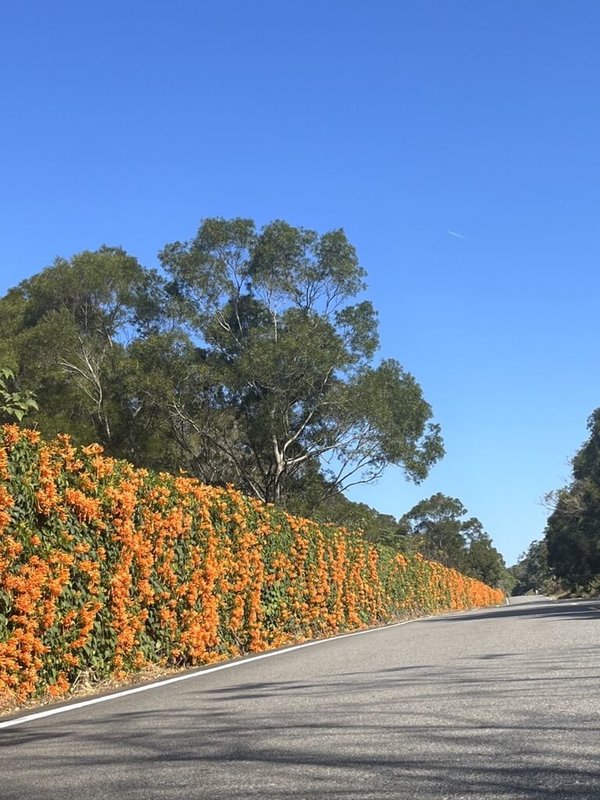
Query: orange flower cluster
point(105, 569)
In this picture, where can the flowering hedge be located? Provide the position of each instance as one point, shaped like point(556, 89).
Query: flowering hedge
point(106, 569)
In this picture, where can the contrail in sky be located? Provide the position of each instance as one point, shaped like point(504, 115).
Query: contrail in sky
point(458, 235)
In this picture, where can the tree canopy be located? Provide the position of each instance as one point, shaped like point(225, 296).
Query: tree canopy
point(249, 358)
point(572, 533)
point(532, 572)
point(284, 360)
point(68, 333)
point(438, 528)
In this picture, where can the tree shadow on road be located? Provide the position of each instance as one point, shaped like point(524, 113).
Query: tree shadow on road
point(422, 732)
point(575, 610)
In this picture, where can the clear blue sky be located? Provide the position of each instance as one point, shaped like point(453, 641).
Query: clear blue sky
point(125, 123)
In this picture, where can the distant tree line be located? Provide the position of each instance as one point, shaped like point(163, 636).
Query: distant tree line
point(572, 535)
point(532, 573)
point(567, 559)
point(248, 359)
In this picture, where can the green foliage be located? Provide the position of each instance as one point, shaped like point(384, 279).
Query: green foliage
point(532, 573)
point(486, 564)
point(277, 330)
point(14, 404)
point(305, 498)
point(251, 364)
point(573, 530)
point(105, 569)
point(68, 330)
point(586, 463)
point(436, 528)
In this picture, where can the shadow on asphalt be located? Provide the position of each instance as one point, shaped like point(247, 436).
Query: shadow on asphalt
point(296, 739)
point(577, 610)
point(420, 732)
point(227, 761)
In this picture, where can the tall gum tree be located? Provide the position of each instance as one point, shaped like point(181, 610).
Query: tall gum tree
point(66, 331)
point(283, 375)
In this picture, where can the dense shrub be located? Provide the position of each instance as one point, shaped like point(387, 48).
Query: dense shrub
point(105, 569)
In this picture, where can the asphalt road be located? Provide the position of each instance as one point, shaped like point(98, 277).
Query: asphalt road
point(501, 703)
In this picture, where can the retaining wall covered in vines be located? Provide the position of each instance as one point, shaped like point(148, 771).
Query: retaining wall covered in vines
point(106, 569)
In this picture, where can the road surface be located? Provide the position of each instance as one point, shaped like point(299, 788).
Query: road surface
point(500, 703)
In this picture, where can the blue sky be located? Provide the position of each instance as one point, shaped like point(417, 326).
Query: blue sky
point(126, 123)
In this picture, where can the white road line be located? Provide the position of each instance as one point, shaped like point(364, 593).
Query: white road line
point(50, 712)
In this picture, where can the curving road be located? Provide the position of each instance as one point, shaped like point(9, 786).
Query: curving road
point(501, 703)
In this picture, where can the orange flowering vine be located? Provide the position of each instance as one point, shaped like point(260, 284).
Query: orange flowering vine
point(106, 569)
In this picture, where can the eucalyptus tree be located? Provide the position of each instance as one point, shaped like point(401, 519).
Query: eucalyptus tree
point(282, 375)
point(66, 333)
point(439, 528)
point(435, 528)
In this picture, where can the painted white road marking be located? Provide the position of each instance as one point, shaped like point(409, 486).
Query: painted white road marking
point(50, 712)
